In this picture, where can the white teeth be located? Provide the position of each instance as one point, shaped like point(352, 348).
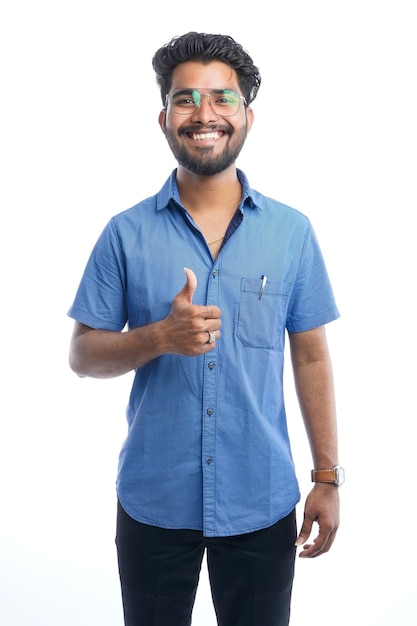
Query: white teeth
point(198, 136)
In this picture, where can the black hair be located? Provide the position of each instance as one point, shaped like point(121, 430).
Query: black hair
point(204, 48)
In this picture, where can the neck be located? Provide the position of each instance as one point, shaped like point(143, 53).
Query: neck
point(209, 193)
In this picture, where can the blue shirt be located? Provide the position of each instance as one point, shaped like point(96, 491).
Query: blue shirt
point(207, 446)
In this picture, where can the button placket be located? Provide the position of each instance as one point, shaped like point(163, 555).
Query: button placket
point(209, 421)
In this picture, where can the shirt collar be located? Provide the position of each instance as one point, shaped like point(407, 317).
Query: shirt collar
point(169, 193)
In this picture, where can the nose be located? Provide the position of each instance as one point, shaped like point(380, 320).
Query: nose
point(204, 112)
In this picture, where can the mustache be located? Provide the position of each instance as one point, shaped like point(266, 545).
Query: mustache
point(184, 130)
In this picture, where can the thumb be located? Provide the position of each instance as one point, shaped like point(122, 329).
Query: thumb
point(190, 286)
point(304, 533)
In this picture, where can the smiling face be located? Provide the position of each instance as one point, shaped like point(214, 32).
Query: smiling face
point(204, 142)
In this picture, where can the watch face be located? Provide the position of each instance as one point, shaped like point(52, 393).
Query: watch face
point(340, 475)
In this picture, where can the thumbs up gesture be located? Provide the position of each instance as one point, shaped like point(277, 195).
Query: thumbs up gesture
point(191, 329)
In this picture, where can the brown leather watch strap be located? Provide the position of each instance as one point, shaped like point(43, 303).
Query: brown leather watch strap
point(323, 476)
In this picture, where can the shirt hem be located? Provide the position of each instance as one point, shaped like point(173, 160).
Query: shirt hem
point(200, 528)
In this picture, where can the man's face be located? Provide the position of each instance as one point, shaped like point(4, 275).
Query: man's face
point(203, 141)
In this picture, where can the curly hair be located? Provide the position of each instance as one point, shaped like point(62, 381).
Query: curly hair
point(204, 48)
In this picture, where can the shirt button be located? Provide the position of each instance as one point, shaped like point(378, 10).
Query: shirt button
point(209, 411)
point(211, 365)
point(208, 460)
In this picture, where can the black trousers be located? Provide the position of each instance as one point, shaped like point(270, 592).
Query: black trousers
point(250, 575)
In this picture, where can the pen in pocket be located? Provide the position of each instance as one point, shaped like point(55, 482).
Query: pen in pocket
point(261, 291)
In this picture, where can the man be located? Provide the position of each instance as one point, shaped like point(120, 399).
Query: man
point(207, 463)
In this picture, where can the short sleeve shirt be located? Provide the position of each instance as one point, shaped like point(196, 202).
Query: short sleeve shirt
point(207, 444)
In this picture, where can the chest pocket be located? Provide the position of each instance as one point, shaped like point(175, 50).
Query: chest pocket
point(261, 320)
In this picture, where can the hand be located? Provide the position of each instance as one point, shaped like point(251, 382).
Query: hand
point(322, 506)
point(187, 324)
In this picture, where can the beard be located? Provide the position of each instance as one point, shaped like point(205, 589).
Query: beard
point(207, 164)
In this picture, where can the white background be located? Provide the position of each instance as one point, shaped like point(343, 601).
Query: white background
point(335, 137)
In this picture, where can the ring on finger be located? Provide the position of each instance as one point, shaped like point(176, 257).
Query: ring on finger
point(212, 336)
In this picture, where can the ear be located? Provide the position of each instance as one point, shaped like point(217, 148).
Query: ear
point(162, 119)
point(250, 118)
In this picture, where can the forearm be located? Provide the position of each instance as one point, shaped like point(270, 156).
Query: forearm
point(314, 383)
point(185, 330)
point(315, 390)
point(105, 354)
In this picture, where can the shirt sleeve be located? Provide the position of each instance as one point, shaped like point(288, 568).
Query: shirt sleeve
point(312, 301)
point(100, 301)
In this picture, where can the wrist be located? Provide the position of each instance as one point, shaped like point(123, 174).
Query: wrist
point(332, 476)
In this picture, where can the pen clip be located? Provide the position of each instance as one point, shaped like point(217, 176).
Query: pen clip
point(261, 291)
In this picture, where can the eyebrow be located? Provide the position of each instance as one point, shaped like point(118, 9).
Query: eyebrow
point(183, 90)
point(190, 89)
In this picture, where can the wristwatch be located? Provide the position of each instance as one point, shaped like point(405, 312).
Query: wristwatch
point(336, 476)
